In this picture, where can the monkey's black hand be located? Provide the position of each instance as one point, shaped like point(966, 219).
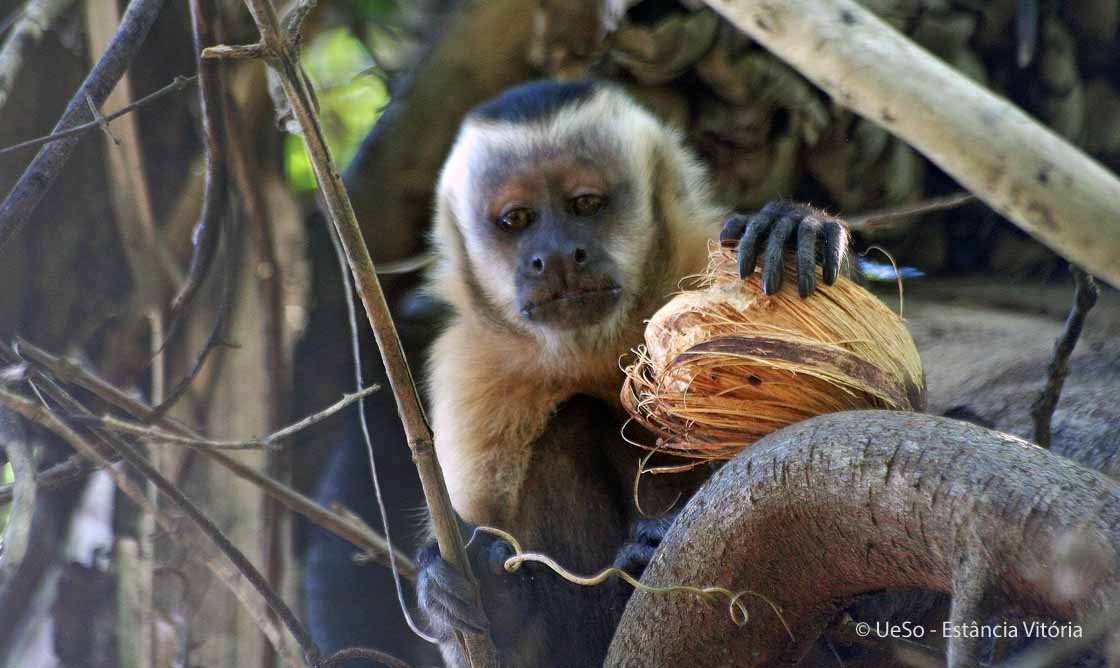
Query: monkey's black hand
point(780, 224)
point(645, 537)
point(449, 601)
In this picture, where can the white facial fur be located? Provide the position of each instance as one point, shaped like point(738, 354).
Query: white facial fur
point(651, 153)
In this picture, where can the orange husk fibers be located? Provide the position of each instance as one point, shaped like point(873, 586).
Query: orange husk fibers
point(724, 365)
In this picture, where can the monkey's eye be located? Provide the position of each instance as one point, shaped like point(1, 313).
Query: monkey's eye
point(588, 205)
point(517, 219)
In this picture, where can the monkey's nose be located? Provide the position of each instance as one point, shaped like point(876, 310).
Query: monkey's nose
point(541, 263)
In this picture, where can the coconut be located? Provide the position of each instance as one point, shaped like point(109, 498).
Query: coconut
point(726, 364)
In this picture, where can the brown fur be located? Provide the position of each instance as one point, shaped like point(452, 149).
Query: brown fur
point(526, 418)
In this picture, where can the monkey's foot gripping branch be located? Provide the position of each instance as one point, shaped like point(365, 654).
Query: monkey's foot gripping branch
point(736, 608)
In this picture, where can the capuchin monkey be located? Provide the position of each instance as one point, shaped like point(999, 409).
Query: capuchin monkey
point(566, 215)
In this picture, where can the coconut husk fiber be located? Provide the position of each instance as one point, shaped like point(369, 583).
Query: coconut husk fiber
point(725, 364)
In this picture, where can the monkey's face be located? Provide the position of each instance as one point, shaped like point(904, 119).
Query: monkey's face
point(552, 224)
point(547, 222)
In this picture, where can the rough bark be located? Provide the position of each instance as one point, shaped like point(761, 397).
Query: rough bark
point(856, 502)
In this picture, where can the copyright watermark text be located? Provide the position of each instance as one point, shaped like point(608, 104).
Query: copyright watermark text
point(911, 631)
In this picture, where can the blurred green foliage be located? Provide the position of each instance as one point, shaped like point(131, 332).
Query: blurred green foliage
point(372, 10)
point(351, 96)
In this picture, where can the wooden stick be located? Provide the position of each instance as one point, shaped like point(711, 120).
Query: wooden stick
point(177, 84)
point(279, 51)
point(1021, 169)
point(883, 219)
point(246, 573)
point(1085, 295)
point(345, 524)
point(49, 161)
point(155, 434)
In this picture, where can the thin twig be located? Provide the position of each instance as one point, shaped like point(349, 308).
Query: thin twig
point(337, 520)
point(280, 51)
point(178, 84)
point(875, 221)
point(30, 24)
point(1085, 294)
point(100, 121)
point(276, 604)
point(71, 372)
point(225, 306)
point(344, 524)
point(231, 577)
point(211, 96)
point(359, 380)
point(42, 416)
point(158, 435)
point(32, 186)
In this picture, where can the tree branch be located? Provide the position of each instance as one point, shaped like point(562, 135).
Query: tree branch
point(49, 161)
point(895, 500)
point(66, 472)
point(275, 603)
point(280, 52)
point(876, 221)
point(211, 98)
point(158, 435)
point(178, 84)
point(1085, 294)
point(1021, 169)
point(345, 524)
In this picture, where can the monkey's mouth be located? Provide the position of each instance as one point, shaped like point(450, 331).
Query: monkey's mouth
point(572, 307)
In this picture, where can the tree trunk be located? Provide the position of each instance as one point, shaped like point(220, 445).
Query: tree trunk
point(855, 502)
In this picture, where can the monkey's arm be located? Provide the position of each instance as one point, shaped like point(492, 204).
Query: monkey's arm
point(818, 238)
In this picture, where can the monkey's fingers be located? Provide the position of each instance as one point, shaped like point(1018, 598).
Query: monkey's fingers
point(732, 230)
point(755, 231)
point(634, 557)
point(773, 263)
point(835, 248)
point(653, 530)
point(807, 233)
point(497, 555)
point(449, 599)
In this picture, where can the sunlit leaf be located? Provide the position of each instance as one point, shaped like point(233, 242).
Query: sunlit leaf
point(351, 99)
